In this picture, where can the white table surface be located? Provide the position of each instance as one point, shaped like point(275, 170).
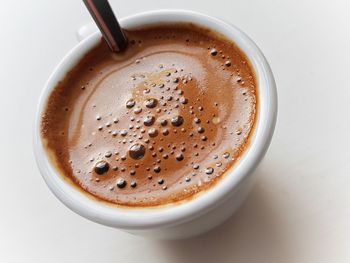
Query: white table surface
point(299, 211)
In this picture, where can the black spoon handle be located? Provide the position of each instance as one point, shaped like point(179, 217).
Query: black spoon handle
point(108, 24)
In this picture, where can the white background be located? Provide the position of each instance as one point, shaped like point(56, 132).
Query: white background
point(299, 211)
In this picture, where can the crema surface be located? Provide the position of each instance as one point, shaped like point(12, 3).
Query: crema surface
point(156, 124)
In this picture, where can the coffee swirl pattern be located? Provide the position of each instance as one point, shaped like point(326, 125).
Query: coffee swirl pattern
point(156, 124)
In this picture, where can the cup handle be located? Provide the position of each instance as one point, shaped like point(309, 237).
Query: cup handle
point(86, 30)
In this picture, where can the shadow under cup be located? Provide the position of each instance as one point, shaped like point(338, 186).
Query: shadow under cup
point(208, 209)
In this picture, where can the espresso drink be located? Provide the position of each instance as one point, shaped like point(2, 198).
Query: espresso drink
point(157, 124)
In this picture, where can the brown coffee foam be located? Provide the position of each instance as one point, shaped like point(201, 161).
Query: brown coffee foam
point(174, 61)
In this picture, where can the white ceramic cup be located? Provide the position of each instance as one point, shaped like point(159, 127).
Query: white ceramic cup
point(209, 208)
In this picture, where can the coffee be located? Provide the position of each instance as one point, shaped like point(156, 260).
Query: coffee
point(157, 124)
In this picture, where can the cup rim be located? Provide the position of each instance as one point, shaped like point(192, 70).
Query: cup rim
point(177, 213)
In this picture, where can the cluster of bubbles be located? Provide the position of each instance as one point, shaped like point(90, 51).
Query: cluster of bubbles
point(214, 53)
point(145, 125)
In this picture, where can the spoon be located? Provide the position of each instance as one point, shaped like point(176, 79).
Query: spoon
point(106, 21)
